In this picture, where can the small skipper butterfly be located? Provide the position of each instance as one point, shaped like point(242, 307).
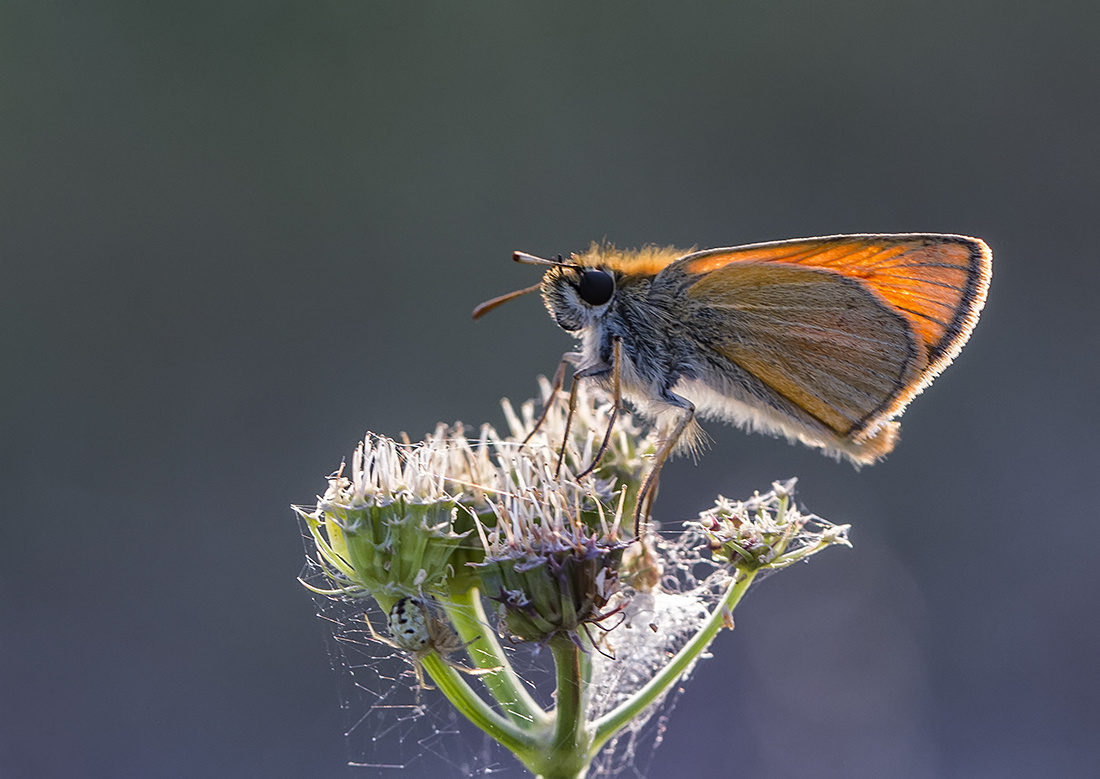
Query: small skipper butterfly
point(821, 340)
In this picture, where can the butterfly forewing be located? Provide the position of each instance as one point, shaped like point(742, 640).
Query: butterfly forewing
point(848, 328)
point(938, 282)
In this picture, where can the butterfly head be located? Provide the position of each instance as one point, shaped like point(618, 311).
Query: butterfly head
point(578, 295)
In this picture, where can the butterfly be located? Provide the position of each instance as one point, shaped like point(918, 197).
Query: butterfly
point(821, 340)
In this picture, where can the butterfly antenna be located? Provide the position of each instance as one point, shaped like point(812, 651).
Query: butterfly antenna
point(530, 259)
point(489, 305)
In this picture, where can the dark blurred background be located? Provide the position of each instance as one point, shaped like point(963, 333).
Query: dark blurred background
point(235, 236)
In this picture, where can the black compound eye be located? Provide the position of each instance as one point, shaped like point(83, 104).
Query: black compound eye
point(596, 287)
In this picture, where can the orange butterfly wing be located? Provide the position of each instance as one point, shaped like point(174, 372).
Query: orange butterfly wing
point(847, 328)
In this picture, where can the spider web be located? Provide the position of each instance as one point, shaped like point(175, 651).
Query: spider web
point(655, 626)
point(393, 728)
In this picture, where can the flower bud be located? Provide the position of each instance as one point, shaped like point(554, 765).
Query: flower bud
point(549, 573)
point(766, 531)
point(386, 529)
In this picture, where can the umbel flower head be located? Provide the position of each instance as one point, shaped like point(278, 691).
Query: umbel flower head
point(428, 529)
point(766, 531)
point(400, 521)
point(387, 528)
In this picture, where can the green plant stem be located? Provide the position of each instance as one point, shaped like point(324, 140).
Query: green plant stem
point(559, 745)
point(556, 746)
point(507, 689)
point(473, 708)
point(570, 734)
point(612, 722)
point(566, 753)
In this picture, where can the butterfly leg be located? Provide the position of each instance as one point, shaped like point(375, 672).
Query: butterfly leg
point(599, 369)
point(555, 388)
point(568, 424)
point(617, 403)
point(686, 410)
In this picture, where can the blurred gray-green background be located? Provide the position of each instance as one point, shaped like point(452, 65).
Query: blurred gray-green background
point(235, 236)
